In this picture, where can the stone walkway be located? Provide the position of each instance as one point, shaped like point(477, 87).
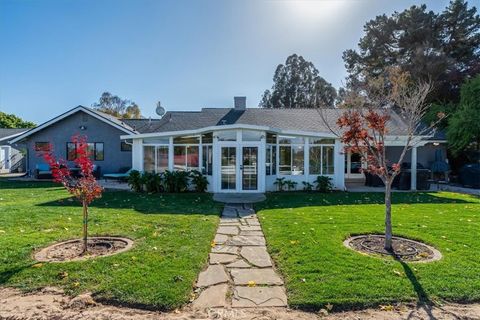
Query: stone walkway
point(240, 272)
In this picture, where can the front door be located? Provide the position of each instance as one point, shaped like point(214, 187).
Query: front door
point(238, 168)
point(353, 166)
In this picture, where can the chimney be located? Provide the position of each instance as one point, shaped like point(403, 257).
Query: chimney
point(240, 103)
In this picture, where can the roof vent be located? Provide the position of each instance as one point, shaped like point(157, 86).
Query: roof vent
point(240, 103)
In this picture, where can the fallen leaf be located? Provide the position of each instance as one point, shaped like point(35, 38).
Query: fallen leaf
point(251, 283)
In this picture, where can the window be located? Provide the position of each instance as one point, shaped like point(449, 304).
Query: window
point(271, 138)
point(321, 141)
point(248, 135)
point(124, 146)
point(316, 160)
point(207, 155)
point(207, 137)
point(160, 140)
point(327, 160)
point(149, 158)
point(321, 156)
point(271, 159)
point(291, 155)
point(95, 149)
point(186, 140)
point(162, 159)
point(230, 135)
point(185, 158)
point(42, 146)
point(290, 140)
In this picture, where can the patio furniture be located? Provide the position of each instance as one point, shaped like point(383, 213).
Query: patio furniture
point(470, 175)
point(423, 179)
point(43, 171)
point(122, 175)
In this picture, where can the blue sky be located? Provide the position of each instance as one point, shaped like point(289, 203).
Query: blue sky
point(189, 54)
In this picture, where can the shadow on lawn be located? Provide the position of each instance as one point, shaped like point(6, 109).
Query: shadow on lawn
point(279, 200)
point(423, 299)
point(164, 203)
point(9, 273)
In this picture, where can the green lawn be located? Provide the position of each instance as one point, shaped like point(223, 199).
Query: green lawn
point(305, 231)
point(172, 236)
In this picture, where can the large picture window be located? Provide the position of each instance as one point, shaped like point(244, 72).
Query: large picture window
point(185, 158)
point(321, 157)
point(149, 158)
point(95, 149)
point(162, 159)
point(291, 160)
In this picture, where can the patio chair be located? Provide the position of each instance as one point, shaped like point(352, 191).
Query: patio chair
point(118, 176)
point(43, 171)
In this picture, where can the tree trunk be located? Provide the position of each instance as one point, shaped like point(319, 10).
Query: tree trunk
point(85, 227)
point(388, 216)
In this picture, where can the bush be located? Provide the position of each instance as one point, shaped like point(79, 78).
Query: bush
point(135, 181)
point(307, 186)
point(280, 183)
point(324, 184)
point(153, 182)
point(176, 181)
point(291, 185)
point(199, 181)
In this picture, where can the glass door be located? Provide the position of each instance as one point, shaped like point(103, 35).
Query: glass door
point(249, 168)
point(353, 165)
point(228, 168)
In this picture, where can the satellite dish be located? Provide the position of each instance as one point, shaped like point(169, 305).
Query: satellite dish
point(160, 110)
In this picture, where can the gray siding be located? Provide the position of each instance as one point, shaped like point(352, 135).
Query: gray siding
point(59, 133)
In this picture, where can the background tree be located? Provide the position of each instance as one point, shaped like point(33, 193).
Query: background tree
point(117, 107)
point(464, 126)
point(85, 188)
point(363, 126)
point(12, 121)
point(443, 48)
point(297, 84)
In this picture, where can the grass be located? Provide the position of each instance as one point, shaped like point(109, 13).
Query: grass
point(305, 231)
point(172, 236)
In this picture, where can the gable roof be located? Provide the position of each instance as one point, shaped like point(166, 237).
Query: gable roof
point(108, 119)
point(304, 120)
point(8, 133)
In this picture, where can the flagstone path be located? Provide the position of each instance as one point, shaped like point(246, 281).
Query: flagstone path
point(240, 272)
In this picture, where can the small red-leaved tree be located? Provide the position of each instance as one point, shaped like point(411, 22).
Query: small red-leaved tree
point(84, 187)
point(363, 126)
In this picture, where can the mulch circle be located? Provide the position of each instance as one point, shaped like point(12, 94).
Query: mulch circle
point(403, 249)
point(71, 250)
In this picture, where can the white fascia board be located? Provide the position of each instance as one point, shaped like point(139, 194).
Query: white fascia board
point(229, 127)
point(65, 115)
point(6, 139)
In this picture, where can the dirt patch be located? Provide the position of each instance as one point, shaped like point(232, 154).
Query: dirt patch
point(403, 249)
point(51, 303)
point(71, 250)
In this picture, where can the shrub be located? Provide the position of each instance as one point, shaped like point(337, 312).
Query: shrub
point(280, 183)
point(324, 184)
point(135, 181)
point(153, 182)
point(307, 186)
point(199, 181)
point(176, 181)
point(291, 185)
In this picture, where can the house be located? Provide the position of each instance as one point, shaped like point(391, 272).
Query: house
point(243, 149)
point(11, 156)
point(109, 152)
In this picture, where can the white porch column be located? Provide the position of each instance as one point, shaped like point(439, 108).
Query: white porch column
point(170, 154)
point(414, 169)
point(339, 166)
point(137, 154)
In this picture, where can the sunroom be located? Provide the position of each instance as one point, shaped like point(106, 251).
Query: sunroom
point(242, 158)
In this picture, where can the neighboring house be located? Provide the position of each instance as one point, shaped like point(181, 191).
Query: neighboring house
point(11, 156)
point(102, 130)
point(246, 149)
